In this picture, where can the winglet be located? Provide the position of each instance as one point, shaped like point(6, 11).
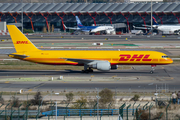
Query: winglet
point(21, 42)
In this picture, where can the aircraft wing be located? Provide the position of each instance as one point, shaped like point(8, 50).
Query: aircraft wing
point(86, 61)
point(72, 28)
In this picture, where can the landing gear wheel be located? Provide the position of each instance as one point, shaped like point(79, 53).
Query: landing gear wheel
point(90, 70)
point(152, 69)
point(85, 71)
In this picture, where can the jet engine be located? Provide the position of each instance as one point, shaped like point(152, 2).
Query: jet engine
point(103, 66)
point(113, 67)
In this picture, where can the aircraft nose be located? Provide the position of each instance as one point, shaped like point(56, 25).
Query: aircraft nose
point(167, 60)
point(170, 60)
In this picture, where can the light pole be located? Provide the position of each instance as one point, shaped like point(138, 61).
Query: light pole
point(22, 14)
point(151, 14)
point(55, 102)
point(56, 110)
point(97, 103)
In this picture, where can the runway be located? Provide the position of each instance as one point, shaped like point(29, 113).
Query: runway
point(137, 79)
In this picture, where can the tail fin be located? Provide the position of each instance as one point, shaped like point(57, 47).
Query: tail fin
point(154, 21)
point(78, 22)
point(20, 41)
point(65, 26)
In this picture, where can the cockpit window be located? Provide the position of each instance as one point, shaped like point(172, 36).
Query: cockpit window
point(165, 57)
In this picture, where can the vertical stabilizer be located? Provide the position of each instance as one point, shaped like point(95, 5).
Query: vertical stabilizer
point(154, 21)
point(20, 41)
point(79, 24)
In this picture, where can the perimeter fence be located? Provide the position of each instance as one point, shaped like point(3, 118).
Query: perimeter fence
point(159, 109)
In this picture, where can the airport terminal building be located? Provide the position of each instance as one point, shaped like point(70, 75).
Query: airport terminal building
point(36, 16)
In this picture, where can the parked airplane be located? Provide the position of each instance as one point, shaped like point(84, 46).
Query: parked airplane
point(166, 29)
point(103, 60)
point(92, 29)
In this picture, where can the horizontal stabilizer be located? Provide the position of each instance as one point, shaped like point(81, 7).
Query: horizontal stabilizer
point(17, 56)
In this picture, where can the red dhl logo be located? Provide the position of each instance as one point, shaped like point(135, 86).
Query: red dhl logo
point(22, 42)
point(135, 57)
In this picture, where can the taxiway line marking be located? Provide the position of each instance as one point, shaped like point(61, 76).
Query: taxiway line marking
point(39, 85)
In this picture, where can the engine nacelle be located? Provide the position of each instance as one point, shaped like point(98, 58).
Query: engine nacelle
point(103, 66)
point(113, 67)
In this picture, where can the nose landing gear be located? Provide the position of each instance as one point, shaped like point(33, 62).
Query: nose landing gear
point(152, 69)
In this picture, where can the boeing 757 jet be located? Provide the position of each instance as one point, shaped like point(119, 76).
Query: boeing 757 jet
point(103, 60)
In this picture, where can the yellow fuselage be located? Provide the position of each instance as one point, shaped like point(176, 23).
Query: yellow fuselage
point(58, 57)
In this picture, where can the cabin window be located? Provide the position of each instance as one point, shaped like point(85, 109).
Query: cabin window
point(165, 57)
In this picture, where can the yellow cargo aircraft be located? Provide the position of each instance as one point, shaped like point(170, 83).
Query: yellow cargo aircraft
point(103, 60)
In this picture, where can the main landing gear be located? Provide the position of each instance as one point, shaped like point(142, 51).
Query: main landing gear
point(152, 69)
point(87, 69)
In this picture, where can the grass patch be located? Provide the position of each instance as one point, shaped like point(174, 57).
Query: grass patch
point(87, 93)
point(176, 61)
point(39, 67)
point(174, 56)
point(24, 65)
point(22, 79)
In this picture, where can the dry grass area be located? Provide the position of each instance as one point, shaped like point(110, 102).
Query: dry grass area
point(23, 65)
point(89, 93)
point(4, 57)
point(159, 112)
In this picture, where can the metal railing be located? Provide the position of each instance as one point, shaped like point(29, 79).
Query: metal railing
point(86, 112)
